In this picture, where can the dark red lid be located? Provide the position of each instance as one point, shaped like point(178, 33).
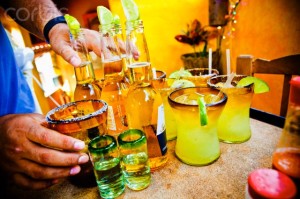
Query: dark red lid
point(295, 90)
point(271, 184)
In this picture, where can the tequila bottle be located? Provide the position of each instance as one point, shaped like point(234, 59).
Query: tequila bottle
point(113, 86)
point(144, 107)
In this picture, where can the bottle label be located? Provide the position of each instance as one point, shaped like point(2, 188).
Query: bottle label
point(111, 123)
point(161, 127)
point(161, 130)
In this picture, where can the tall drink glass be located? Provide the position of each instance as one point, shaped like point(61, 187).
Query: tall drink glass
point(234, 122)
point(83, 120)
point(197, 145)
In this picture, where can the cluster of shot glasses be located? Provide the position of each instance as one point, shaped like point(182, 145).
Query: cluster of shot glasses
point(120, 161)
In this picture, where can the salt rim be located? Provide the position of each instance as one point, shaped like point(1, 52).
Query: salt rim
point(77, 119)
point(196, 105)
point(223, 78)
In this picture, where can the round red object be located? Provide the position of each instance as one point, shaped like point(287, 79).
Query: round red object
point(271, 184)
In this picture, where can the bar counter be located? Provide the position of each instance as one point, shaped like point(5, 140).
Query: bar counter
point(225, 178)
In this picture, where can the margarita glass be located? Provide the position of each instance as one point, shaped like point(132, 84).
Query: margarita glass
point(234, 122)
point(196, 144)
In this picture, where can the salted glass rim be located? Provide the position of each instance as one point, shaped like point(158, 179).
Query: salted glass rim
point(77, 119)
point(224, 98)
point(222, 76)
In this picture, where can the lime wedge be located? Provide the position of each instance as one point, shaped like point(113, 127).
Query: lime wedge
point(202, 111)
point(104, 15)
point(260, 86)
point(182, 83)
point(73, 24)
point(180, 73)
point(131, 10)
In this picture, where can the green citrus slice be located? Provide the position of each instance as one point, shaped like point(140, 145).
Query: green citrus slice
point(73, 24)
point(131, 10)
point(104, 15)
point(180, 73)
point(182, 83)
point(260, 86)
point(202, 111)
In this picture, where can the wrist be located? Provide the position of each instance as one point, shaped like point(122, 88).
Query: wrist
point(51, 24)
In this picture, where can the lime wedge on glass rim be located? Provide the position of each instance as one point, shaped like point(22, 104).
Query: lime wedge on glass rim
point(260, 86)
point(73, 24)
point(182, 83)
point(202, 111)
point(180, 73)
point(131, 10)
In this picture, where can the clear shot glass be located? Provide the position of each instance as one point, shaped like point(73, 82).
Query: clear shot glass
point(103, 151)
point(134, 159)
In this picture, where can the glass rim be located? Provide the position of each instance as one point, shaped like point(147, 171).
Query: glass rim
point(224, 98)
point(211, 85)
point(103, 149)
point(77, 119)
point(137, 141)
point(214, 71)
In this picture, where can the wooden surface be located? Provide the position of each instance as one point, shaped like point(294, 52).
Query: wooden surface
point(225, 178)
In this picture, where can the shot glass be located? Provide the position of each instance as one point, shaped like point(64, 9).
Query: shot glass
point(196, 144)
point(134, 159)
point(200, 76)
point(234, 122)
point(103, 151)
point(83, 120)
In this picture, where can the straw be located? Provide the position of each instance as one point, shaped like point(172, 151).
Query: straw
point(209, 60)
point(154, 73)
point(228, 61)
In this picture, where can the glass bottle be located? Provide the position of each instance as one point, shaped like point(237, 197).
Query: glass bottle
point(113, 85)
point(144, 107)
point(86, 86)
point(286, 157)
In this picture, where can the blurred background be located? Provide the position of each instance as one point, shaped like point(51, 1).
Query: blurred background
point(265, 29)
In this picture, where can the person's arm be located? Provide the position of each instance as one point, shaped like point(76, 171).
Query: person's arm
point(33, 15)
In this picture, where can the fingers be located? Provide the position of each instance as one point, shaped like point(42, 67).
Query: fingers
point(26, 182)
point(52, 157)
point(53, 139)
point(60, 43)
point(93, 41)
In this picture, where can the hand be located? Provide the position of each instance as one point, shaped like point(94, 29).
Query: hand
point(27, 152)
point(60, 42)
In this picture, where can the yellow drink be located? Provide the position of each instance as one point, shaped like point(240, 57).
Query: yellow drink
point(234, 122)
point(196, 145)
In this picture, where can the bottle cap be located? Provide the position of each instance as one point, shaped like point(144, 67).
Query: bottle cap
point(295, 90)
point(271, 184)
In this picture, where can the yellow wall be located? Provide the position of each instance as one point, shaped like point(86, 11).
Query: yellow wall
point(267, 29)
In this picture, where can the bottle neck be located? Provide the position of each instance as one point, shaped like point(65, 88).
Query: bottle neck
point(137, 54)
point(85, 72)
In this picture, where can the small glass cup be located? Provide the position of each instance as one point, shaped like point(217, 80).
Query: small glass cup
point(134, 161)
point(234, 122)
point(197, 145)
point(200, 76)
point(103, 151)
point(83, 120)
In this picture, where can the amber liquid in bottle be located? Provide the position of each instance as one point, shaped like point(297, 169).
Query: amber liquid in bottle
point(86, 88)
point(145, 111)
